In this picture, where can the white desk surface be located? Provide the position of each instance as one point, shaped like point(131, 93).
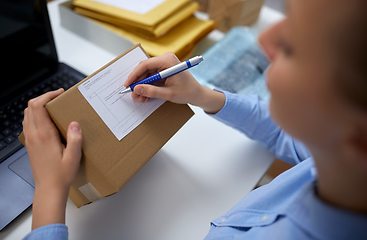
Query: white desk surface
point(203, 171)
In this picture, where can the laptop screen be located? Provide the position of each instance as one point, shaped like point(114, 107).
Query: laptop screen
point(26, 45)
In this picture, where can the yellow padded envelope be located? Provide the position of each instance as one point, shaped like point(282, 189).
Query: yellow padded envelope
point(180, 40)
point(154, 23)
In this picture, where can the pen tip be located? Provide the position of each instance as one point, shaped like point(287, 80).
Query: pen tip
point(125, 90)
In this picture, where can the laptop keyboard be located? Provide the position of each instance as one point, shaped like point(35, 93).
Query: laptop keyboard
point(11, 115)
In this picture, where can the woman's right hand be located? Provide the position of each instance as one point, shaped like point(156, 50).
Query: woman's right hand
point(180, 88)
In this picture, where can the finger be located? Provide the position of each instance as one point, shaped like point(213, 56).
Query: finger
point(25, 117)
point(45, 98)
point(73, 150)
point(134, 95)
point(25, 120)
point(152, 91)
point(154, 64)
point(38, 115)
point(141, 99)
point(28, 126)
point(141, 71)
point(29, 119)
point(145, 75)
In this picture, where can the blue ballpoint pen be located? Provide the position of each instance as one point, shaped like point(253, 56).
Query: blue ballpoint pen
point(166, 73)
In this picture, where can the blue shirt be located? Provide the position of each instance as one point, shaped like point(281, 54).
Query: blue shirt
point(286, 208)
point(55, 231)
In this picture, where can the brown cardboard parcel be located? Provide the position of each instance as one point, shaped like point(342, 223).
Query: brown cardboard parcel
point(231, 13)
point(108, 164)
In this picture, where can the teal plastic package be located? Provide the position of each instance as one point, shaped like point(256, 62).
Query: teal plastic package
point(235, 64)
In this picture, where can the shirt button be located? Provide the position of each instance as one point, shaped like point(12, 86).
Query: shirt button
point(264, 218)
point(223, 220)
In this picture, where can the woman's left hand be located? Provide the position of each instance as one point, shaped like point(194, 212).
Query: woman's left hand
point(54, 165)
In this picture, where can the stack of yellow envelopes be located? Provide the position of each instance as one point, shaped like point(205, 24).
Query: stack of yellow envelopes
point(168, 26)
point(152, 24)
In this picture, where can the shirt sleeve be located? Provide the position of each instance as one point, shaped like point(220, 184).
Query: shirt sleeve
point(53, 231)
point(250, 115)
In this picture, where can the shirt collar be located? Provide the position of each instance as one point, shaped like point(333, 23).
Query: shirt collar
point(323, 220)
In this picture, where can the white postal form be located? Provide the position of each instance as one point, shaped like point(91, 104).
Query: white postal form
point(119, 112)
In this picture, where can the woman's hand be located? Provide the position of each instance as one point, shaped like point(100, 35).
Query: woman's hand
point(54, 165)
point(180, 88)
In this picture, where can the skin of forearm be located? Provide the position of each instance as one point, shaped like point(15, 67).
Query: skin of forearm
point(48, 206)
point(210, 101)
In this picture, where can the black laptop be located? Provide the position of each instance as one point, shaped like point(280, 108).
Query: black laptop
point(29, 67)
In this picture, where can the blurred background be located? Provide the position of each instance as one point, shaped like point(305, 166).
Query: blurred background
point(276, 4)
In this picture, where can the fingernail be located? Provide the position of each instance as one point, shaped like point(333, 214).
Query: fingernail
point(74, 127)
point(142, 90)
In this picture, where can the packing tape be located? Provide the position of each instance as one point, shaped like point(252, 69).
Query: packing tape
point(90, 192)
